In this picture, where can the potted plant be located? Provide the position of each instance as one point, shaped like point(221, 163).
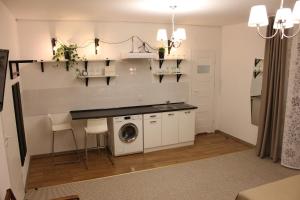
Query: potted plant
point(67, 52)
point(161, 53)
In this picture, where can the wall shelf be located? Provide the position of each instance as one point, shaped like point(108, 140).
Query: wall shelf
point(53, 61)
point(107, 62)
point(15, 73)
point(108, 77)
point(178, 61)
point(161, 75)
point(138, 56)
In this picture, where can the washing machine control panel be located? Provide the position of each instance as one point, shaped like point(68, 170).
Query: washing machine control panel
point(127, 118)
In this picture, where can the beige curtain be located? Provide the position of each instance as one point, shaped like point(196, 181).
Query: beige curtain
point(290, 156)
point(272, 109)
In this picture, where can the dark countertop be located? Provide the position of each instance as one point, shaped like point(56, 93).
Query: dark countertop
point(124, 111)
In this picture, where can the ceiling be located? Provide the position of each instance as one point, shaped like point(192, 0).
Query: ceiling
point(195, 12)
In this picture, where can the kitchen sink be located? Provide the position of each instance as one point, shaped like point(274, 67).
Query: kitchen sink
point(165, 107)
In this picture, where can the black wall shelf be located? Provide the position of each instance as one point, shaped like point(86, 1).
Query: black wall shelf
point(178, 61)
point(107, 63)
point(16, 72)
point(161, 76)
point(42, 62)
point(108, 78)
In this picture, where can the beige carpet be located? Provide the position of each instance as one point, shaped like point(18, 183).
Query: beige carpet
point(219, 178)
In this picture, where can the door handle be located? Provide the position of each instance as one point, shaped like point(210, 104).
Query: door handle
point(187, 112)
point(153, 116)
point(171, 114)
point(153, 122)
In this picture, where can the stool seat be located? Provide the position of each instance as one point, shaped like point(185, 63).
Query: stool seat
point(95, 130)
point(61, 127)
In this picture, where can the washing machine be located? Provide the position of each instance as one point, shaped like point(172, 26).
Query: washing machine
point(126, 135)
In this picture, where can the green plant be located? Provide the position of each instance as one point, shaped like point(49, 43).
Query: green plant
point(162, 49)
point(161, 52)
point(67, 52)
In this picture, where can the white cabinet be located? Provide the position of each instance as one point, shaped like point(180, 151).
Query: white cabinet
point(186, 126)
point(152, 130)
point(170, 128)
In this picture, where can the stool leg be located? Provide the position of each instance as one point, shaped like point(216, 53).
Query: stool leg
point(85, 146)
point(76, 145)
point(106, 149)
point(98, 143)
point(52, 153)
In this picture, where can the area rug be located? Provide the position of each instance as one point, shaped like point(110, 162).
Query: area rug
point(218, 178)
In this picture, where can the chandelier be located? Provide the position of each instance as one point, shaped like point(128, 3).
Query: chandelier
point(177, 36)
point(285, 19)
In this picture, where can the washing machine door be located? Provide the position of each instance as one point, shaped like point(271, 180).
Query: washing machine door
point(128, 133)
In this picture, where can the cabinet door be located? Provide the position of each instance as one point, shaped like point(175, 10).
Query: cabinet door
point(186, 126)
point(169, 128)
point(152, 133)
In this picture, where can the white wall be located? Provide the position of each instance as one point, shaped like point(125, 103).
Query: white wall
point(58, 91)
point(240, 46)
point(11, 173)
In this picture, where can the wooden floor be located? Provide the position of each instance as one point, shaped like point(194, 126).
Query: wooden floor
point(43, 173)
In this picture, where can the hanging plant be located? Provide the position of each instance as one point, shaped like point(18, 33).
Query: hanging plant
point(69, 53)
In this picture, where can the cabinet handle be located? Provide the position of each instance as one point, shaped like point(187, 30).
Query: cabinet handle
point(187, 112)
point(153, 116)
point(153, 122)
point(171, 114)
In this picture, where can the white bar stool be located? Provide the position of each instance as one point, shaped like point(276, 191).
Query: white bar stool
point(61, 124)
point(99, 128)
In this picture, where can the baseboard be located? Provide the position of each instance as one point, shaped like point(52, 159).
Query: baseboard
point(234, 138)
point(46, 155)
point(169, 147)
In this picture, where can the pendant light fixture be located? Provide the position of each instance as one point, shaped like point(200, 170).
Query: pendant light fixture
point(285, 19)
point(177, 36)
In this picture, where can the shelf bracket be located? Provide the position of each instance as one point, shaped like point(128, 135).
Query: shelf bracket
point(178, 76)
point(161, 62)
point(107, 62)
point(86, 82)
point(178, 62)
point(42, 66)
point(67, 65)
point(161, 78)
point(86, 68)
point(86, 65)
point(107, 80)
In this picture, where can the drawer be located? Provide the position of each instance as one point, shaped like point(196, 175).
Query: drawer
point(152, 116)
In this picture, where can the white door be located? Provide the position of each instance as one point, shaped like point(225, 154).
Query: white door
point(169, 128)
point(186, 126)
point(202, 89)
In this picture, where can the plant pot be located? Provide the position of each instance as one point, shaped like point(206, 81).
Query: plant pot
point(67, 55)
point(161, 54)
